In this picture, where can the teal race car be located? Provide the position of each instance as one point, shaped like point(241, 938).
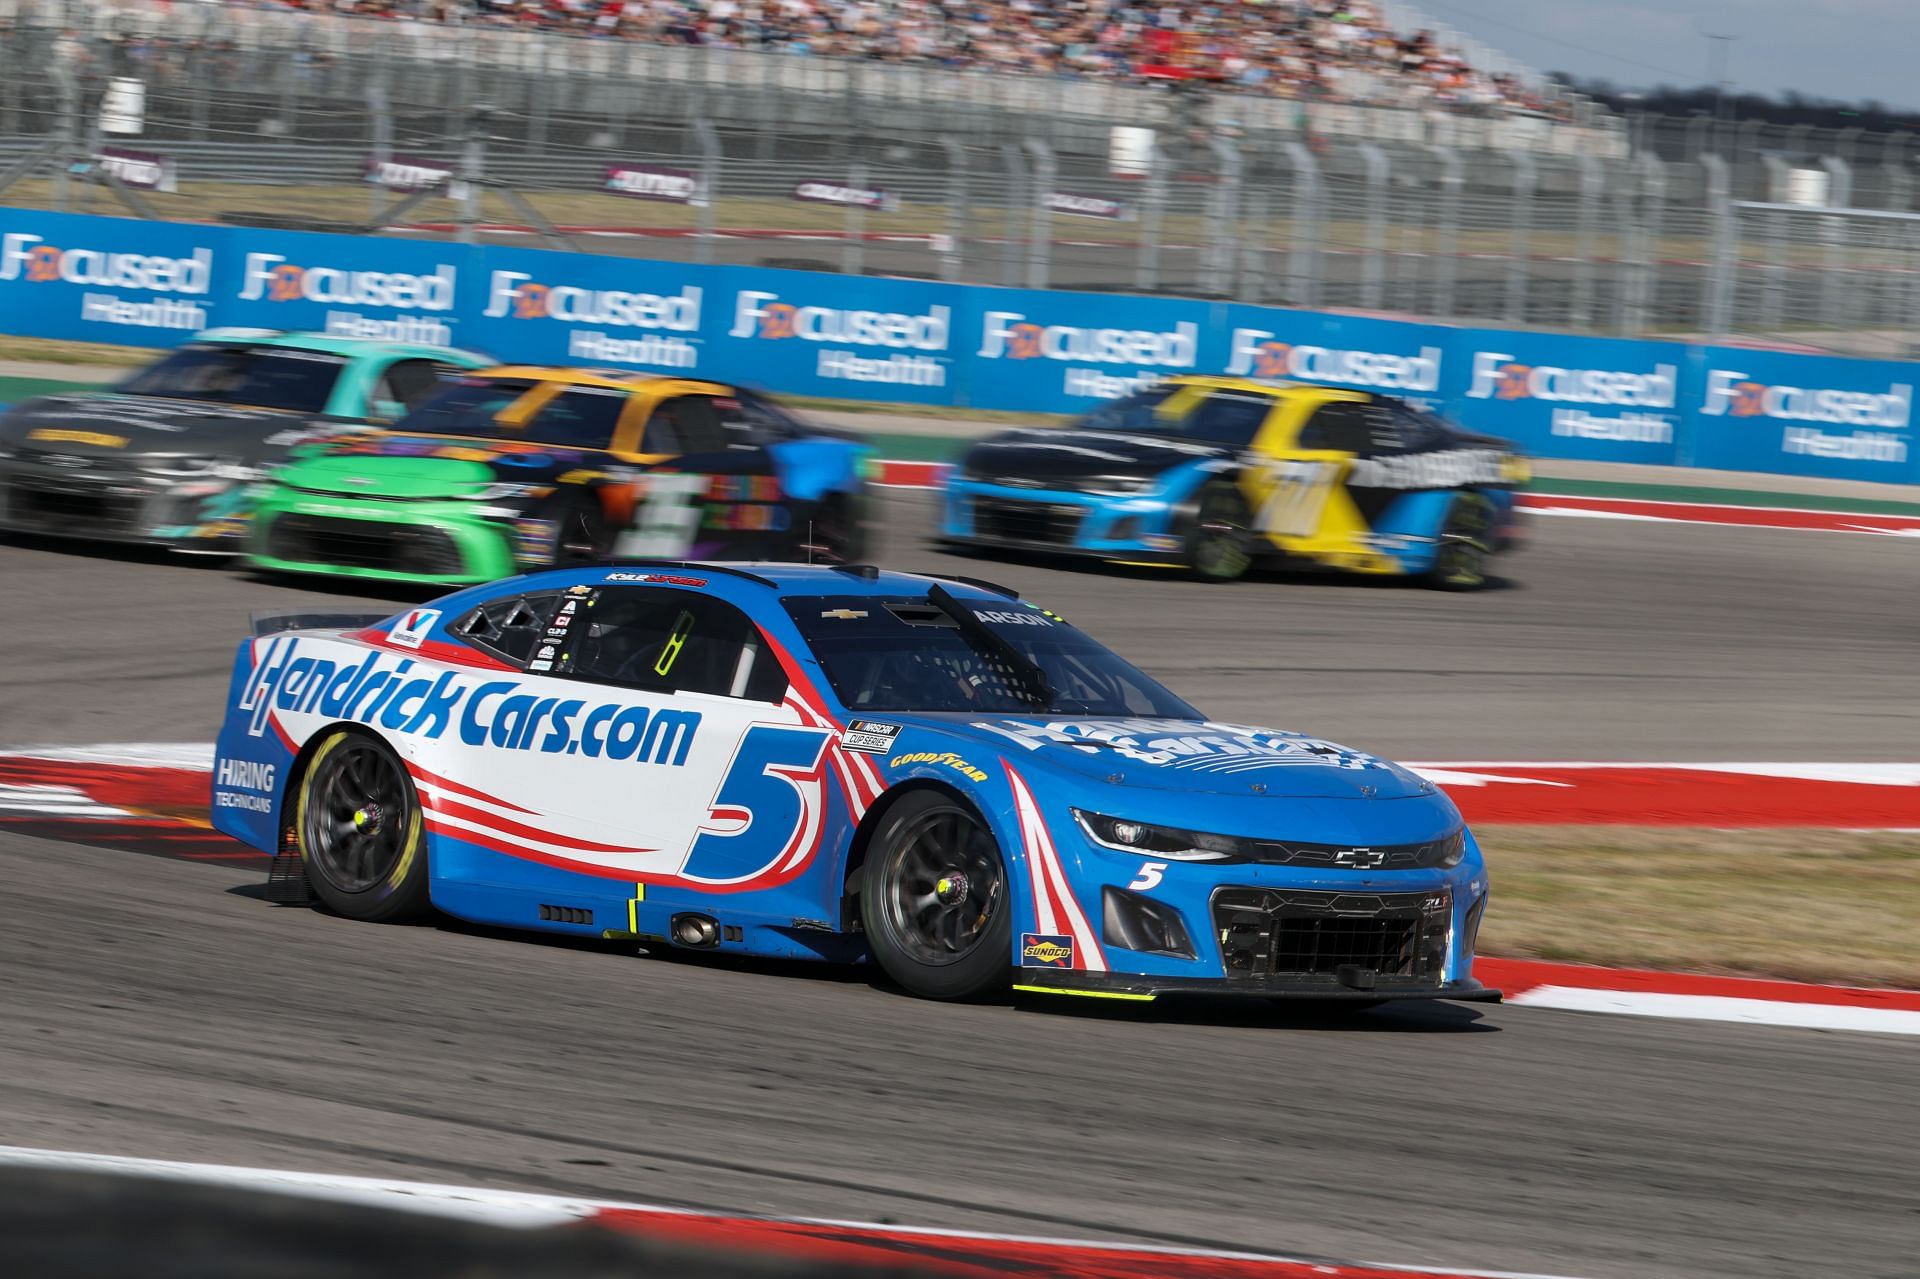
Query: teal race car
point(169, 455)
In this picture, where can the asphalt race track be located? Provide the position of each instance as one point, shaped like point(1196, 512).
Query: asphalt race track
point(159, 1008)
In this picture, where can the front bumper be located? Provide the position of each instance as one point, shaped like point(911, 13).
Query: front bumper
point(105, 503)
point(1137, 528)
point(1140, 987)
point(441, 543)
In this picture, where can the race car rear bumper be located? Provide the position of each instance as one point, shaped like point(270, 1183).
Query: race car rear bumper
point(99, 505)
point(1140, 986)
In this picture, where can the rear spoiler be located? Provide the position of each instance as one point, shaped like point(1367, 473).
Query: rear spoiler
point(274, 623)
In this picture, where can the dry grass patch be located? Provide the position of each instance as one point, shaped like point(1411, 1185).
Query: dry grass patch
point(1809, 905)
point(53, 351)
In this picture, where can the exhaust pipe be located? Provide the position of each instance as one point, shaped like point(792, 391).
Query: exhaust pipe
point(697, 931)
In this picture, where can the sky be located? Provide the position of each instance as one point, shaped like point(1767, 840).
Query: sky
point(1847, 49)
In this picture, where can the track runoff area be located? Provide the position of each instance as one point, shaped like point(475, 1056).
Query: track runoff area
point(140, 797)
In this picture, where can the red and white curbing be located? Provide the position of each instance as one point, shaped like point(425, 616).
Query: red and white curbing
point(958, 1253)
point(153, 797)
point(898, 473)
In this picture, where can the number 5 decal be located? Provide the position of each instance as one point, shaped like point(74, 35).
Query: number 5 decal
point(1150, 876)
point(767, 812)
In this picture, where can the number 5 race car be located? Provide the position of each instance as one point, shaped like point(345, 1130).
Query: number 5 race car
point(840, 764)
point(1219, 474)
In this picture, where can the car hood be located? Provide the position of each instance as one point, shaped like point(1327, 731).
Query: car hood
point(1064, 458)
point(105, 424)
point(1196, 756)
point(374, 476)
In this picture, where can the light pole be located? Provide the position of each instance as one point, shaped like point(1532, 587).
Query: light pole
point(1717, 55)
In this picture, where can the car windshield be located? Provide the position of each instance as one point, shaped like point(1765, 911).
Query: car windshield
point(263, 377)
point(466, 406)
point(902, 653)
point(1133, 413)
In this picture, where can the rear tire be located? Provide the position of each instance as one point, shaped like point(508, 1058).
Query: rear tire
point(359, 829)
point(1220, 542)
point(579, 532)
point(934, 900)
point(1466, 540)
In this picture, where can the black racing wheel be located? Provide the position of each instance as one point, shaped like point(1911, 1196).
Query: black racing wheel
point(1220, 539)
point(1466, 539)
point(359, 830)
point(934, 899)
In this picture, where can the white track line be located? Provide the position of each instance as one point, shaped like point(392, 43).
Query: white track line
point(528, 1210)
point(1753, 1012)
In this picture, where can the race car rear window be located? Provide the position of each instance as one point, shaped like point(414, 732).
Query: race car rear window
point(583, 418)
point(903, 654)
point(466, 406)
point(245, 376)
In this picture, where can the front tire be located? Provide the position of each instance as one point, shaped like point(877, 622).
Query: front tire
point(359, 829)
point(1220, 542)
point(934, 900)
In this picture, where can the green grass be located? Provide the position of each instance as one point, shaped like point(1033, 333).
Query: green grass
point(1807, 905)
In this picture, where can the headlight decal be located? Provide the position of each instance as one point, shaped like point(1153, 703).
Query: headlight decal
point(1171, 843)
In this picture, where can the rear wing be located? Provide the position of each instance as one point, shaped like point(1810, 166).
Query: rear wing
point(274, 623)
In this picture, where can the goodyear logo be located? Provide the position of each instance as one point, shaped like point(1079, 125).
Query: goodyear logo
point(63, 436)
point(942, 758)
point(1045, 950)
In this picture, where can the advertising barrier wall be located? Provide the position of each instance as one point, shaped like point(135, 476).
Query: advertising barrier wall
point(135, 283)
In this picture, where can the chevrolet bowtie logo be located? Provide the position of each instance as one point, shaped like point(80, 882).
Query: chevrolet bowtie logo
point(1360, 858)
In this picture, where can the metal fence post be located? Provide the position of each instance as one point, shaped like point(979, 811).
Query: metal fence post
point(853, 247)
point(380, 131)
point(709, 139)
point(473, 169)
point(1778, 233)
point(1719, 298)
point(1308, 205)
point(1039, 214)
point(1146, 263)
point(1373, 263)
point(1446, 244)
point(1526, 179)
point(1580, 314)
point(952, 261)
point(1012, 208)
point(1835, 290)
point(66, 83)
point(1223, 218)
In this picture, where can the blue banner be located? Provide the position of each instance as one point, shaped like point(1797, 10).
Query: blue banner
point(134, 283)
point(1600, 399)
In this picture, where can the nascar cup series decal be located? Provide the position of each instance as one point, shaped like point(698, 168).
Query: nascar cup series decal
point(538, 757)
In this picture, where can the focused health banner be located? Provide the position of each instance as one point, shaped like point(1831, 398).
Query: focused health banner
point(134, 283)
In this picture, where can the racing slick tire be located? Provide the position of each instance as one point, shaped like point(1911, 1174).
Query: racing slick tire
point(1220, 539)
point(934, 899)
point(1466, 540)
point(359, 829)
point(579, 531)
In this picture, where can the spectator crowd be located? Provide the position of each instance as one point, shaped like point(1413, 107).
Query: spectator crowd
point(1311, 50)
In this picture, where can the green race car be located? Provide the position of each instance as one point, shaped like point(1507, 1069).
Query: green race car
point(171, 455)
point(521, 467)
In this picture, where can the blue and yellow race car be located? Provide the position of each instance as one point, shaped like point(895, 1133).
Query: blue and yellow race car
point(1221, 474)
point(834, 763)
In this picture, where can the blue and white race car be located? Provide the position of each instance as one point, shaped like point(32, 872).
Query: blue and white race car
point(834, 763)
